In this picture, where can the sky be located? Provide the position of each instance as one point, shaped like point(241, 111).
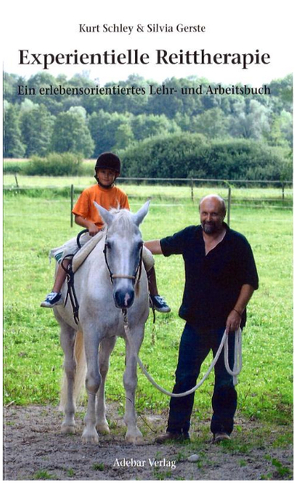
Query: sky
point(229, 26)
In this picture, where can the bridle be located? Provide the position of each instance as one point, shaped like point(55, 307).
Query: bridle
point(137, 273)
point(70, 275)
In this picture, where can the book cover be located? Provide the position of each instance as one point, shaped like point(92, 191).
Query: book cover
point(195, 83)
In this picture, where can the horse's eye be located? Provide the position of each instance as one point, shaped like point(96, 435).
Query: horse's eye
point(108, 245)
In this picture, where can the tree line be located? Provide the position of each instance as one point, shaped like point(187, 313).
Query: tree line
point(214, 126)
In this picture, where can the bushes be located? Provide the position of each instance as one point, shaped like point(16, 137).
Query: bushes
point(176, 156)
point(14, 167)
point(54, 164)
point(192, 156)
point(239, 159)
point(162, 157)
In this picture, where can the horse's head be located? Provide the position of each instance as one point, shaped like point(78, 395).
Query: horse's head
point(123, 251)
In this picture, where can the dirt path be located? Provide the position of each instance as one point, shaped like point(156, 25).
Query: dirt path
point(34, 449)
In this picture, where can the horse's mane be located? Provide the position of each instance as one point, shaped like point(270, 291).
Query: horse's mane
point(122, 220)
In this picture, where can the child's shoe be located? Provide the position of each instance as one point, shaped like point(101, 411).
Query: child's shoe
point(52, 299)
point(159, 303)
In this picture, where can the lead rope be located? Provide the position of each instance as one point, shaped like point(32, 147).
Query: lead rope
point(237, 357)
point(224, 342)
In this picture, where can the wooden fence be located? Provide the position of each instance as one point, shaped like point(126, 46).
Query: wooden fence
point(192, 184)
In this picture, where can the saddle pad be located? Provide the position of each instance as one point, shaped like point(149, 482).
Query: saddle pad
point(148, 259)
point(84, 251)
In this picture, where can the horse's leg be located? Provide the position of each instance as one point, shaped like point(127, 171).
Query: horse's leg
point(105, 349)
point(67, 340)
point(133, 434)
point(93, 380)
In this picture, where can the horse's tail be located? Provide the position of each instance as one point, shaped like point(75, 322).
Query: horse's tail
point(80, 373)
point(81, 365)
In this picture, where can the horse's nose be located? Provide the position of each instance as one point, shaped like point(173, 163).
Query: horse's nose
point(124, 298)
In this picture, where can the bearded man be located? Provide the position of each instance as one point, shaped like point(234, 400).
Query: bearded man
point(220, 278)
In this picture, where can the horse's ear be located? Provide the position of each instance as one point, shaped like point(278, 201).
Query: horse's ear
point(142, 212)
point(105, 214)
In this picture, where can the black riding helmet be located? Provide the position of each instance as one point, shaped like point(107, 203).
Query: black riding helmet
point(108, 161)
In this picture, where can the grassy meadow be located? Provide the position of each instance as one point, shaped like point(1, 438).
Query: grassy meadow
point(32, 354)
point(60, 186)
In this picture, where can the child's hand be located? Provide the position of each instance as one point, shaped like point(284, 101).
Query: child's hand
point(92, 229)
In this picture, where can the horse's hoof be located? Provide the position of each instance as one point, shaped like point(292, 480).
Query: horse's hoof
point(90, 436)
point(68, 428)
point(103, 428)
point(134, 437)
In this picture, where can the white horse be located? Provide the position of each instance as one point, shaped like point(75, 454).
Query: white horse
point(107, 282)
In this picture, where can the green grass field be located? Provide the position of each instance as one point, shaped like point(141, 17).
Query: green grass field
point(32, 354)
point(141, 191)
